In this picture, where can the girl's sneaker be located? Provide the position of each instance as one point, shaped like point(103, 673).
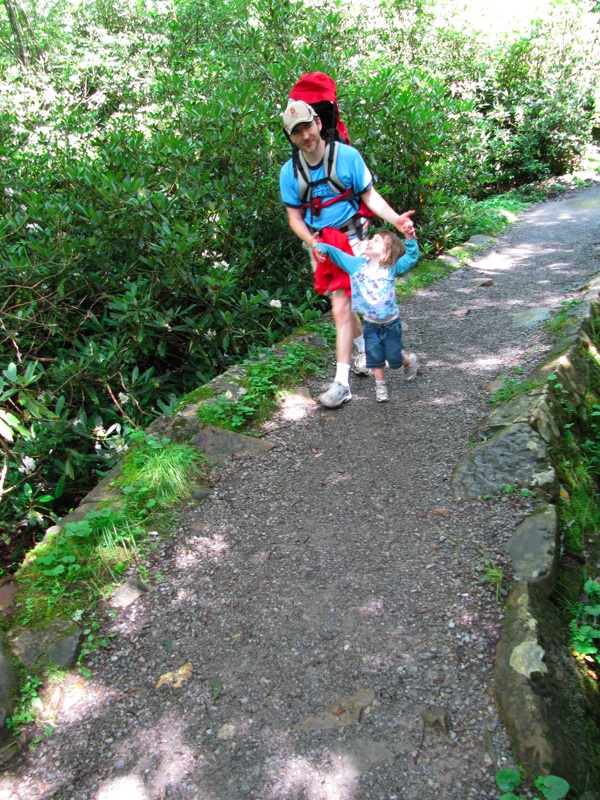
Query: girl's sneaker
point(410, 371)
point(381, 392)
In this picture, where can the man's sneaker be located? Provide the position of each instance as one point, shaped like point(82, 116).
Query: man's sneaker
point(335, 396)
point(359, 365)
point(381, 393)
point(410, 371)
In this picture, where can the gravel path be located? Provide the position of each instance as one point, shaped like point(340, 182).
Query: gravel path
point(337, 562)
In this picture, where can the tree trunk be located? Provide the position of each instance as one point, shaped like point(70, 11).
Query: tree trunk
point(25, 45)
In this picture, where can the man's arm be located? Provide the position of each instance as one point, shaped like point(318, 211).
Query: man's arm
point(297, 224)
point(301, 229)
point(375, 202)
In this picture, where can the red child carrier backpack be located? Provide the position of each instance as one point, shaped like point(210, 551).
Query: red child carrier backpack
point(319, 91)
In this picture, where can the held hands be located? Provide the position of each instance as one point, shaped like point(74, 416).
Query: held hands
point(405, 225)
point(319, 254)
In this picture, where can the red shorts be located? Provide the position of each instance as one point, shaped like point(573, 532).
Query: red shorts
point(328, 276)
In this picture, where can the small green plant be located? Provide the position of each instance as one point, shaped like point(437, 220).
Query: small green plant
point(93, 640)
point(585, 629)
point(494, 574)
point(562, 317)
point(511, 388)
point(28, 703)
point(551, 787)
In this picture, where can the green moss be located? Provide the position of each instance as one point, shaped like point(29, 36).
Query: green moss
point(195, 396)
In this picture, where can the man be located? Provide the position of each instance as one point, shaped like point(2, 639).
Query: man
point(314, 221)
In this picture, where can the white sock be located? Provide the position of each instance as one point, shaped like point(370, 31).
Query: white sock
point(342, 373)
point(360, 343)
point(380, 383)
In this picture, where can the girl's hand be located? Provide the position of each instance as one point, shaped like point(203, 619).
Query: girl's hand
point(407, 227)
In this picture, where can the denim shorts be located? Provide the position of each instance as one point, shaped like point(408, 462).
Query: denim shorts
point(383, 342)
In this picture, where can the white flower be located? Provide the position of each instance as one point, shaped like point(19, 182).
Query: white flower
point(275, 303)
point(27, 465)
point(123, 398)
point(210, 334)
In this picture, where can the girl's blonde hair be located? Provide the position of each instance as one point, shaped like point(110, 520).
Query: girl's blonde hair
point(394, 247)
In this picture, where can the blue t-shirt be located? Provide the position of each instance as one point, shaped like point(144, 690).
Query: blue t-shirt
point(352, 172)
point(373, 286)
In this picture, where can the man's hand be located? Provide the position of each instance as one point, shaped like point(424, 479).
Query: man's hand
point(319, 254)
point(405, 225)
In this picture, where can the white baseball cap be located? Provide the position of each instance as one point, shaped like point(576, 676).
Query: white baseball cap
point(298, 111)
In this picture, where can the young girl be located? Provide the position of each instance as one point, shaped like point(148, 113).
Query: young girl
point(373, 280)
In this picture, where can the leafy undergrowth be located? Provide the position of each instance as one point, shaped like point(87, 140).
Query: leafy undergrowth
point(78, 564)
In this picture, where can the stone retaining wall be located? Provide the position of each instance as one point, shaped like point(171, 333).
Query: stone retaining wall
point(536, 685)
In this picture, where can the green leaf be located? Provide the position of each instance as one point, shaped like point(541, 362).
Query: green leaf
point(508, 779)
point(216, 687)
point(10, 372)
point(87, 673)
point(552, 787)
point(5, 431)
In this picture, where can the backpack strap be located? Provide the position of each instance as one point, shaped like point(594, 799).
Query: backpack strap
point(305, 184)
point(330, 164)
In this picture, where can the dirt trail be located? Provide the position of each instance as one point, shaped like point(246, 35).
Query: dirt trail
point(338, 563)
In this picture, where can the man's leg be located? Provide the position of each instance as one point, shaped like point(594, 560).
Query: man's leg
point(345, 325)
point(339, 391)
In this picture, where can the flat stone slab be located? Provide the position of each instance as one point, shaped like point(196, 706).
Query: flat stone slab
point(531, 407)
point(221, 446)
point(516, 456)
point(531, 318)
point(8, 589)
point(479, 239)
point(126, 594)
point(535, 688)
point(58, 643)
point(519, 705)
point(533, 549)
point(450, 259)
